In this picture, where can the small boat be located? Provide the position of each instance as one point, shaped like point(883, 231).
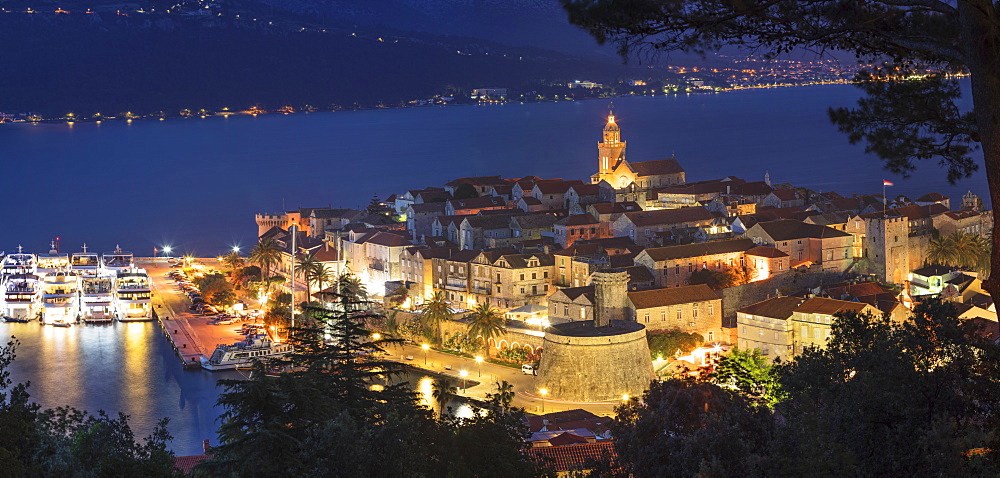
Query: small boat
point(244, 353)
point(60, 323)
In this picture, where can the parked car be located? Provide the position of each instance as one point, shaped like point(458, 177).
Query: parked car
point(528, 369)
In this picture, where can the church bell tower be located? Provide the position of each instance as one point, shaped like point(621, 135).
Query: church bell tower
point(610, 151)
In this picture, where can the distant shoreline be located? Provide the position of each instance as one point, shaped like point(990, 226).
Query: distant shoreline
point(289, 110)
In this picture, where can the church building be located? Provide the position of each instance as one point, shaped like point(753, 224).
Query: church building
point(627, 176)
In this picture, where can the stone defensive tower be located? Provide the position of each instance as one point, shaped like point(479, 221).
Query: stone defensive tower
point(887, 246)
point(611, 297)
point(599, 360)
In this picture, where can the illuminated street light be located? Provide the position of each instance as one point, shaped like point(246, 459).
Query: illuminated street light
point(167, 250)
point(544, 392)
point(624, 397)
point(236, 249)
point(464, 374)
point(479, 360)
point(376, 336)
point(426, 348)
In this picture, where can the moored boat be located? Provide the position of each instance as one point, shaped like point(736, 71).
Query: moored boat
point(244, 353)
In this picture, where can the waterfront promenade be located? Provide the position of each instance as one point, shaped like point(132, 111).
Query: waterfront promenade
point(193, 336)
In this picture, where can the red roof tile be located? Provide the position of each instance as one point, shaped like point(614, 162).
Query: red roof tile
point(583, 456)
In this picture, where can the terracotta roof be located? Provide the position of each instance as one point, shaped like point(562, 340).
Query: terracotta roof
point(701, 249)
point(765, 251)
point(556, 187)
point(476, 203)
point(756, 188)
point(388, 239)
point(577, 220)
point(670, 216)
point(445, 220)
point(572, 293)
point(616, 207)
point(433, 196)
point(477, 181)
point(647, 299)
point(786, 194)
point(566, 438)
point(584, 456)
point(428, 207)
point(932, 197)
point(530, 201)
point(586, 189)
point(326, 254)
point(489, 221)
point(962, 214)
point(535, 221)
point(656, 167)
point(187, 463)
point(827, 219)
point(856, 290)
point(775, 307)
point(787, 229)
point(823, 305)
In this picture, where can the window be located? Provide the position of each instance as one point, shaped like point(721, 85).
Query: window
point(677, 269)
point(566, 310)
point(690, 267)
point(805, 331)
point(711, 309)
point(711, 336)
point(694, 312)
point(545, 288)
point(583, 313)
point(522, 290)
point(785, 243)
point(646, 318)
point(679, 315)
point(798, 242)
point(498, 289)
point(545, 275)
point(534, 290)
point(663, 316)
point(498, 277)
point(522, 276)
point(760, 333)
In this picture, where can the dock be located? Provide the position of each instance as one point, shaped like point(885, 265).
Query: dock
point(192, 336)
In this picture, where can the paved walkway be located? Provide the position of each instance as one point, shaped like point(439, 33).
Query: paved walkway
point(193, 336)
point(526, 393)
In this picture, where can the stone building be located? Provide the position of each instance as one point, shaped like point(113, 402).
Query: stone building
point(691, 309)
point(811, 321)
point(672, 266)
point(767, 326)
point(643, 227)
point(600, 360)
point(616, 171)
point(806, 244)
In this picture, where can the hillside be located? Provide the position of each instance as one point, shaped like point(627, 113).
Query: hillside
point(112, 63)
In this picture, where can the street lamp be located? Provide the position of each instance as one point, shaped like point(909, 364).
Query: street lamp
point(376, 336)
point(464, 374)
point(426, 348)
point(236, 249)
point(624, 397)
point(479, 360)
point(167, 250)
point(544, 392)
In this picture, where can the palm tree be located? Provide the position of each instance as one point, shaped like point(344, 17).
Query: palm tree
point(962, 250)
point(307, 263)
point(266, 254)
point(433, 313)
point(443, 392)
point(233, 261)
point(319, 274)
point(487, 323)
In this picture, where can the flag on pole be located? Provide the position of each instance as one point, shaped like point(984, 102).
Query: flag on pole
point(886, 183)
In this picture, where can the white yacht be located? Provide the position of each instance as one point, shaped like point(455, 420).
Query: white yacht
point(97, 302)
point(133, 297)
point(85, 264)
point(60, 298)
point(22, 298)
point(52, 262)
point(243, 354)
point(118, 260)
point(19, 263)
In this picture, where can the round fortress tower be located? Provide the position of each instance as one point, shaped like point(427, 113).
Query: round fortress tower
point(599, 360)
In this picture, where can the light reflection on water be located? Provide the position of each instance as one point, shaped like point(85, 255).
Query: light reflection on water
point(124, 367)
point(131, 368)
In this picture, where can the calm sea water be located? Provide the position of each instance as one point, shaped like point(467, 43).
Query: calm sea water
point(196, 183)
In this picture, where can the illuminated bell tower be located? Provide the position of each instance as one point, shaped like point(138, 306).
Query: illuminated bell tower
point(610, 151)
